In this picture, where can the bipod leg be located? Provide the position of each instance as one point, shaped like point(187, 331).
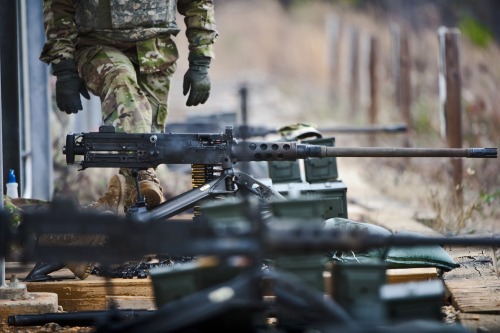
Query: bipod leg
point(251, 185)
point(140, 204)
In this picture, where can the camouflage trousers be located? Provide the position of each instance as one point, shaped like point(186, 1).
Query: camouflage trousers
point(131, 101)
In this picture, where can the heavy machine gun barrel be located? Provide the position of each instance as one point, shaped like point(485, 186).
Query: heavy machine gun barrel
point(107, 148)
point(251, 131)
point(80, 318)
point(256, 131)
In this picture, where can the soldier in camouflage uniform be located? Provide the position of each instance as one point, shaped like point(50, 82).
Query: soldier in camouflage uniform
point(123, 51)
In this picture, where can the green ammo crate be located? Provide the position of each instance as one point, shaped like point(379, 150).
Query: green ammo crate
point(301, 208)
point(174, 282)
point(309, 268)
point(321, 169)
point(356, 287)
point(418, 300)
point(284, 171)
point(227, 213)
point(330, 196)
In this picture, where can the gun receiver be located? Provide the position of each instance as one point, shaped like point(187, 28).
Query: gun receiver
point(107, 148)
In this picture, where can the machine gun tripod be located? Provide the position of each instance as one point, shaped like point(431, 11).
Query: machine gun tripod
point(107, 148)
point(230, 182)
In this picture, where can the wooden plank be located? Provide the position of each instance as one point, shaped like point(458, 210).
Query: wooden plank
point(131, 302)
point(90, 294)
point(480, 322)
point(475, 263)
point(401, 275)
point(474, 287)
point(95, 293)
point(473, 295)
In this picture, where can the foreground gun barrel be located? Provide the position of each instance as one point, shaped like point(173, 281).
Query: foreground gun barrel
point(81, 318)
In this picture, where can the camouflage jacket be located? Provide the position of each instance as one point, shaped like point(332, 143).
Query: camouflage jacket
point(63, 35)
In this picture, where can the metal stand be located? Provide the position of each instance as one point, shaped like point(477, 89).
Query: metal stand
point(228, 183)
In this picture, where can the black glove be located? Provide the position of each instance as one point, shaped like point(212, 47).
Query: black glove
point(69, 86)
point(197, 80)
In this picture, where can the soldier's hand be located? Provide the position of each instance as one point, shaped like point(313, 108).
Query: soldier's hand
point(69, 86)
point(197, 80)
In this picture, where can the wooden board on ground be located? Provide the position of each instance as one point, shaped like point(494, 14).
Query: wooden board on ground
point(96, 293)
point(92, 293)
point(402, 275)
point(485, 323)
point(475, 296)
point(131, 302)
point(474, 288)
point(475, 263)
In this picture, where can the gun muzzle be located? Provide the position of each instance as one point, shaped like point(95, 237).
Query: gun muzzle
point(483, 153)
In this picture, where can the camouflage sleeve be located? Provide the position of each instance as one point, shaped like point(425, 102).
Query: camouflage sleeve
point(200, 25)
point(60, 30)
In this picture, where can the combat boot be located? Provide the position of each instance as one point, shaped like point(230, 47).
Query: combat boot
point(114, 198)
point(83, 269)
point(149, 186)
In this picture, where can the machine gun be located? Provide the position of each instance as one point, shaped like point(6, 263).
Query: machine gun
point(238, 293)
point(125, 236)
point(212, 156)
point(107, 148)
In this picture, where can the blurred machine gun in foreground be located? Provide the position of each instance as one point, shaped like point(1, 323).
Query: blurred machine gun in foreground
point(212, 156)
point(226, 293)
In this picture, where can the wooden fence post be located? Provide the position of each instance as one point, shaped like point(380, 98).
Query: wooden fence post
point(450, 86)
point(405, 85)
point(334, 44)
point(372, 68)
point(396, 47)
point(354, 72)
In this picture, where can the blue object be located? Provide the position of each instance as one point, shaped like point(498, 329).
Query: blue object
point(12, 177)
